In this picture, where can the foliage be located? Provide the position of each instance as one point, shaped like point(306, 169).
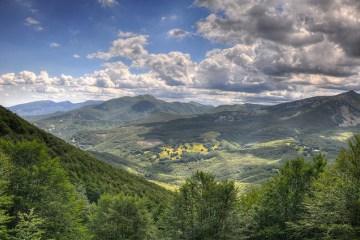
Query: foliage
point(333, 207)
point(5, 197)
point(121, 217)
point(38, 181)
point(268, 209)
point(203, 209)
point(29, 227)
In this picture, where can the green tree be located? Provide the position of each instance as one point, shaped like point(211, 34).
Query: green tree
point(281, 200)
point(333, 208)
point(38, 181)
point(203, 209)
point(121, 217)
point(29, 227)
point(5, 197)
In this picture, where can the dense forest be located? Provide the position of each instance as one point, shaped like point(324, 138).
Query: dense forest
point(305, 200)
point(51, 190)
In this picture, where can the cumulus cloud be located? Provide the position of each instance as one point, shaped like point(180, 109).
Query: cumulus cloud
point(178, 33)
point(33, 23)
point(272, 51)
point(296, 23)
point(175, 68)
point(258, 67)
point(293, 42)
point(129, 45)
point(76, 56)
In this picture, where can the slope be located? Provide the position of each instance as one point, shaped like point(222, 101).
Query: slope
point(83, 169)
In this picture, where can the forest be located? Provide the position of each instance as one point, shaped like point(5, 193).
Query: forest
point(306, 199)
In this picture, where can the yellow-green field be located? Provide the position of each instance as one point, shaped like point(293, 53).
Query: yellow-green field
point(176, 153)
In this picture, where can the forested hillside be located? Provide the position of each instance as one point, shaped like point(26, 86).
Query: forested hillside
point(95, 176)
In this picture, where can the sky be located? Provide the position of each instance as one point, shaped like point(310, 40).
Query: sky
point(208, 51)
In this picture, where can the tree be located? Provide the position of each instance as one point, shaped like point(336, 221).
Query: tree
point(281, 200)
point(5, 197)
point(332, 209)
point(29, 227)
point(203, 209)
point(121, 217)
point(38, 181)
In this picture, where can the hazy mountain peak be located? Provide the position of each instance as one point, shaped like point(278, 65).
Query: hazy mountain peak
point(146, 96)
point(45, 107)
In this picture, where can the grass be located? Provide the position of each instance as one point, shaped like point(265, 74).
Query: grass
point(274, 143)
point(176, 153)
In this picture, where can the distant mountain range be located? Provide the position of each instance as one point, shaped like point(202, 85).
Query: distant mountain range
point(48, 107)
point(168, 141)
point(119, 111)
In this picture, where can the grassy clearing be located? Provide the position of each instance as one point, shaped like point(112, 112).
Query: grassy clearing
point(274, 143)
point(176, 153)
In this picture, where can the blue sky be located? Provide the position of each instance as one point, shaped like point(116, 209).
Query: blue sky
point(209, 51)
point(84, 26)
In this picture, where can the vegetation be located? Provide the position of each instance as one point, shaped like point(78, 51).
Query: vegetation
point(29, 227)
point(83, 170)
point(306, 199)
point(121, 217)
point(50, 190)
point(203, 209)
point(177, 153)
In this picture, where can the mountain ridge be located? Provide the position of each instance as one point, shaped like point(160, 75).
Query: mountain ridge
point(46, 107)
point(120, 111)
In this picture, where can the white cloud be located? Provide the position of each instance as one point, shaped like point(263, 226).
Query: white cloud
point(54, 45)
point(251, 68)
point(129, 45)
point(275, 51)
point(295, 23)
point(108, 3)
point(178, 33)
point(76, 56)
point(33, 23)
point(170, 17)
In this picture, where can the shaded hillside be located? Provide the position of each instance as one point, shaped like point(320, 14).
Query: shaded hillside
point(269, 122)
point(83, 169)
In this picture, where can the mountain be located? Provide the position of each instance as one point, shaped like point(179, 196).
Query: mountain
point(48, 107)
point(83, 169)
point(119, 111)
point(247, 143)
point(247, 107)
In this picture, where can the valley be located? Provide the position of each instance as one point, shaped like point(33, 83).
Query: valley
point(167, 142)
